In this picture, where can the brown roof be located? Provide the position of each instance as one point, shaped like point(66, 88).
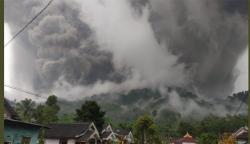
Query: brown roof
point(186, 138)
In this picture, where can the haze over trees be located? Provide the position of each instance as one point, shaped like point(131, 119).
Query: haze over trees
point(147, 128)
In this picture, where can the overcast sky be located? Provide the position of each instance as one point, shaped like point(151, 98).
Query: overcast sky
point(81, 48)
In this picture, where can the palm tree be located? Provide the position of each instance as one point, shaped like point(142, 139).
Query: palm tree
point(25, 109)
point(145, 130)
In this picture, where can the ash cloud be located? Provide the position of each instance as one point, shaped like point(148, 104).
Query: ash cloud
point(208, 36)
point(81, 48)
point(64, 46)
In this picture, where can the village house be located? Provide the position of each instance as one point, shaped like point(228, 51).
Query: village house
point(241, 135)
point(108, 136)
point(17, 131)
point(186, 139)
point(77, 133)
point(125, 136)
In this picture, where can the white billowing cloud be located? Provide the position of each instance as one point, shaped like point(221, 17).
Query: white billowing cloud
point(188, 106)
point(241, 83)
point(130, 38)
point(74, 92)
point(18, 70)
point(7, 55)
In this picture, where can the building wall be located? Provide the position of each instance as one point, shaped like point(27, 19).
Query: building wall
point(56, 141)
point(51, 141)
point(14, 134)
point(71, 141)
point(241, 142)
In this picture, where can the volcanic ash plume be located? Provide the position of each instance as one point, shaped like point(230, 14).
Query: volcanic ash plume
point(89, 47)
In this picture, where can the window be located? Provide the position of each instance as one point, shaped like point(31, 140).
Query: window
point(25, 140)
point(92, 141)
point(63, 141)
point(80, 143)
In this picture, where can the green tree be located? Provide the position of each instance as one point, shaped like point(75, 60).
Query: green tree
point(41, 136)
point(90, 111)
point(207, 138)
point(145, 131)
point(67, 118)
point(49, 112)
point(127, 126)
point(38, 114)
point(52, 102)
point(25, 109)
point(208, 130)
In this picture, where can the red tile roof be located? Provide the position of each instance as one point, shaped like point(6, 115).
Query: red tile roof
point(187, 138)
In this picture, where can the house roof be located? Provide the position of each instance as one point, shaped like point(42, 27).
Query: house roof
point(122, 132)
point(86, 135)
point(10, 109)
point(105, 134)
point(186, 138)
point(20, 123)
point(66, 130)
point(240, 131)
point(107, 128)
point(242, 136)
point(105, 125)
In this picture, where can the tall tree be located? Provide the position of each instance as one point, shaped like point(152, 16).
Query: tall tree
point(52, 102)
point(90, 111)
point(47, 113)
point(207, 138)
point(51, 109)
point(38, 114)
point(25, 109)
point(145, 130)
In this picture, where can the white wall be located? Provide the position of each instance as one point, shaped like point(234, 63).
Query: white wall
point(56, 141)
point(51, 141)
point(71, 141)
point(241, 142)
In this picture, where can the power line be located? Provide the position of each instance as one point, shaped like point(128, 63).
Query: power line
point(33, 94)
point(25, 26)
point(25, 91)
